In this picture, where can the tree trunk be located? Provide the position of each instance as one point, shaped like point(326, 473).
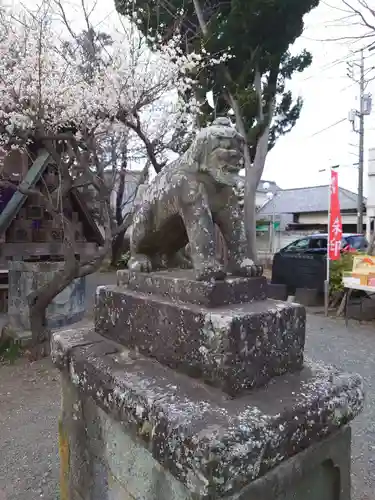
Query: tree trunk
point(253, 175)
point(370, 250)
point(253, 172)
point(118, 240)
point(250, 212)
point(40, 333)
point(119, 246)
point(39, 301)
point(41, 298)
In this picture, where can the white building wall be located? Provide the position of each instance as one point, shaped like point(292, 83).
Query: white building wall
point(260, 199)
point(322, 218)
point(370, 206)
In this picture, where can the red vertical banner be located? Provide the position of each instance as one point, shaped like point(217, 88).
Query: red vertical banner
point(335, 222)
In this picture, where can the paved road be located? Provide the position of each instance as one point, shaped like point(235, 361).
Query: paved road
point(352, 349)
point(30, 403)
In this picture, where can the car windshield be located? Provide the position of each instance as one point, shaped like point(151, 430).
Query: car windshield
point(301, 244)
point(318, 243)
point(357, 241)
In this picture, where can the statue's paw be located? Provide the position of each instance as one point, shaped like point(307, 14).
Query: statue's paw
point(247, 269)
point(259, 269)
point(210, 270)
point(179, 261)
point(140, 263)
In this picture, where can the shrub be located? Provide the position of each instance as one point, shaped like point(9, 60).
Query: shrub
point(337, 268)
point(123, 261)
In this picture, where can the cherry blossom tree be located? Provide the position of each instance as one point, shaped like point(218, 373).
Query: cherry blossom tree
point(53, 96)
point(255, 37)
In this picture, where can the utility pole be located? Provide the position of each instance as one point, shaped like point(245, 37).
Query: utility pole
point(364, 109)
point(361, 145)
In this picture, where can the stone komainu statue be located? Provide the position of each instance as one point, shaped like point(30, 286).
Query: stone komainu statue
point(184, 201)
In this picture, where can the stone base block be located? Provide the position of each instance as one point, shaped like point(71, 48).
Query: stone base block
point(276, 291)
point(308, 297)
point(20, 337)
point(24, 337)
point(235, 347)
point(180, 285)
point(322, 472)
point(24, 277)
point(134, 429)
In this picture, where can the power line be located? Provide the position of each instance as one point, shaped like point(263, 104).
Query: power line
point(332, 64)
point(364, 110)
point(326, 128)
point(328, 23)
point(328, 66)
point(348, 165)
point(347, 87)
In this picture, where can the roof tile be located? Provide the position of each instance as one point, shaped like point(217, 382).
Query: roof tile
point(307, 199)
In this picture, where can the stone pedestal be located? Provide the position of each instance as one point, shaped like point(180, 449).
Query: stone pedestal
point(24, 277)
point(188, 390)
point(224, 332)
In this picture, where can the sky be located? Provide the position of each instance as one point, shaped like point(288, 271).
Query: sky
point(315, 143)
point(328, 95)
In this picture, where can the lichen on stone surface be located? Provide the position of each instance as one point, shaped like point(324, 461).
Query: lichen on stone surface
point(211, 444)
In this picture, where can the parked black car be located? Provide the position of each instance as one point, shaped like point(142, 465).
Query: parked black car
point(302, 264)
point(317, 243)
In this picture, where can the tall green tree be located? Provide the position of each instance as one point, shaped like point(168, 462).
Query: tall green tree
point(257, 35)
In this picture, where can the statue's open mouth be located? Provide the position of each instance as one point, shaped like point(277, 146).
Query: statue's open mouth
point(233, 168)
point(232, 161)
point(228, 174)
point(229, 163)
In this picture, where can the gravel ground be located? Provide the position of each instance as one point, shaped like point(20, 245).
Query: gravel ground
point(351, 349)
point(30, 405)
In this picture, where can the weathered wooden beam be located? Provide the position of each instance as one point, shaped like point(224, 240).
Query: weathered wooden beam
point(53, 249)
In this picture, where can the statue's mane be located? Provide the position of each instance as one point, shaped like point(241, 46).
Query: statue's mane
point(201, 146)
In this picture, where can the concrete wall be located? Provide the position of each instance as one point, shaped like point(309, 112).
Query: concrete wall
point(25, 277)
point(103, 460)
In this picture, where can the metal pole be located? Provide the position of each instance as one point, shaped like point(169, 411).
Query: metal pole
point(273, 225)
point(368, 228)
point(361, 147)
point(270, 237)
point(326, 283)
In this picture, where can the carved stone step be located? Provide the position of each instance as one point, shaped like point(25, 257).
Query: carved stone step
point(180, 285)
point(235, 347)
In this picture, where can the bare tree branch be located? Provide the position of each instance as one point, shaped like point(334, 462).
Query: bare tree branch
point(147, 143)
